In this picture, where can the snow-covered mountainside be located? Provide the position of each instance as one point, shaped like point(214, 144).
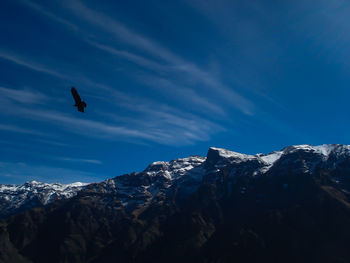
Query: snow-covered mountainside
point(163, 181)
point(157, 182)
point(16, 198)
point(291, 205)
point(184, 176)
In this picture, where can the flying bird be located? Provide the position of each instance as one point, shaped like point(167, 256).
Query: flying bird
point(78, 102)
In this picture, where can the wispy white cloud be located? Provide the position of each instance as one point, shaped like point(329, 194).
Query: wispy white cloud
point(88, 127)
point(167, 61)
point(53, 142)
point(78, 160)
point(47, 68)
point(134, 39)
point(139, 60)
point(24, 95)
point(40, 9)
point(153, 123)
point(38, 141)
point(163, 85)
point(120, 31)
point(167, 123)
point(167, 129)
point(26, 62)
point(12, 128)
point(183, 94)
point(217, 88)
point(170, 129)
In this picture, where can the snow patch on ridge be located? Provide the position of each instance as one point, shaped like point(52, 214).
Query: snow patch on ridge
point(325, 150)
point(266, 160)
point(175, 168)
point(271, 158)
point(232, 155)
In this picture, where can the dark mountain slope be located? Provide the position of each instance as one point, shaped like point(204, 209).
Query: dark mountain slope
point(288, 206)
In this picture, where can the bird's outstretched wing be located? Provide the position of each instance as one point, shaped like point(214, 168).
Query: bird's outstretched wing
point(76, 96)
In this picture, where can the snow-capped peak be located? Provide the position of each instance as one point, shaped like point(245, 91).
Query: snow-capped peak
point(39, 193)
point(219, 157)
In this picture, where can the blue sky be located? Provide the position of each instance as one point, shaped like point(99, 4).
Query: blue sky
point(165, 80)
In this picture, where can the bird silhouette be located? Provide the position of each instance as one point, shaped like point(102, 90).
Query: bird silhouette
point(78, 102)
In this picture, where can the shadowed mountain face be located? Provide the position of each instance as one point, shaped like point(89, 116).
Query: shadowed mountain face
point(287, 206)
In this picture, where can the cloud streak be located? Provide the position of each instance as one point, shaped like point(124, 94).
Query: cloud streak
point(163, 85)
point(167, 129)
point(25, 62)
point(164, 127)
point(139, 60)
point(147, 120)
point(43, 11)
point(170, 62)
point(11, 128)
point(134, 39)
point(77, 160)
point(188, 95)
point(23, 96)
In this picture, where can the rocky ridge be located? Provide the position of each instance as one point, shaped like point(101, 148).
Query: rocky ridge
point(185, 174)
point(291, 205)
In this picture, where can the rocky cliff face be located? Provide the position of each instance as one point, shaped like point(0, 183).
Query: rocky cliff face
point(287, 206)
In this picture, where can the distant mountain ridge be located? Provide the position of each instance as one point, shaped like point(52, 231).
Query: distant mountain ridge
point(17, 198)
point(291, 205)
point(159, 176)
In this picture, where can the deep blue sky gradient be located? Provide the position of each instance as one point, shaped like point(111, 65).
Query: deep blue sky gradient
point(164, 80)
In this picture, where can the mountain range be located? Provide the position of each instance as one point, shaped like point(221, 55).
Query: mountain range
point(290, 205)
